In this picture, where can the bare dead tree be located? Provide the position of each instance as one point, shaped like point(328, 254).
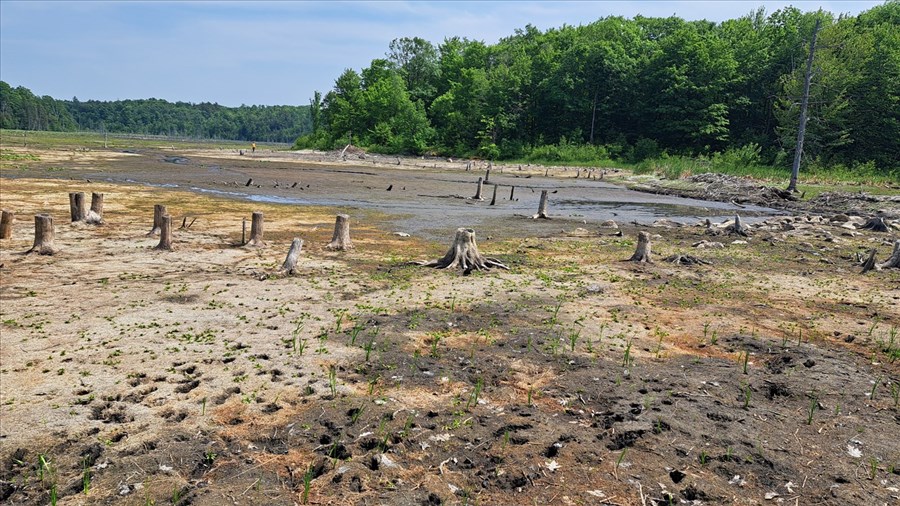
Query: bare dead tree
point(642, 252)
point(804, 103)
point(6, 222)
point(76, 206)
point(165, 234)
point(43, 235)
point(463, 253)
point(159, 211)
point(340, 240)
point(542, 207)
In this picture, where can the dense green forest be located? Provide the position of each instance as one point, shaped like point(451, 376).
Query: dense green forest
point(21, 109)
point(632, 89)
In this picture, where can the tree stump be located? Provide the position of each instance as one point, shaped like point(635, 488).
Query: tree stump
point(487, 175)
point(738, 227)
point(642, 252)
point(76, 206)
point(95, 215)
point(159, 211)
point(494, 198)
point(542, 207)
point(478, 190)
point(341, 239)
point(290, 262)
point(6, 221)
point(256, 231)
point(43, 235)
point(869, 264)
point(463, 253)
point(165, 234)
point(512, 193)
point(894, 261)
point(876, 224)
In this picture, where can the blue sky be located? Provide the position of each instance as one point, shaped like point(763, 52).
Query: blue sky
point(271, 53)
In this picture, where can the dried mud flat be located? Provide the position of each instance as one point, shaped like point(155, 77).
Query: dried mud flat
point(137, 376)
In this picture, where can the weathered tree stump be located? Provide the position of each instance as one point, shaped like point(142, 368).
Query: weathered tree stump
point(95, 215)
point(542, 207)
point(6, 221)
point(487, 175)
point(875, 224)
point(478, 190)
point(494, 198)
point(165, 234)
point(869, 264)
point(894, 261)
point(290, 262)
point(738, 227)
point(642, 252)
point(463, 253)
point(340, 240)
point(43, 235)
point(256, 231)
point(76, 206)
point(159, 211)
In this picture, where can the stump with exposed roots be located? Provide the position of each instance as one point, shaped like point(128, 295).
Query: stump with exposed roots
point(43, 235)
point(76, 206)
point(463, 253)
point(340, 241)
point(685, 260)
point(738, 227)
point(159, 211)
point(165, 234)
point(875, 224)
point(642, 252)
point(95, 215)
point(6, 222)
point(256, 231)
point(893, 262)
point(542, 207)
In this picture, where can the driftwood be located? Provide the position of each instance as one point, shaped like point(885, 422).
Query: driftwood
point(256, 231)
point(685, 260)
point(43, 235)
point(76, 206)
point(159, 211)
point(95, 215)
point(340, 240)
point(542, 207)
point(184, 223)
point(6, 222)
point(642, 251)
point(165, 234)
point(463, 253)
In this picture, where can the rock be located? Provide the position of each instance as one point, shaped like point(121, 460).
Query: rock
point(401, 234)
point(610, 224)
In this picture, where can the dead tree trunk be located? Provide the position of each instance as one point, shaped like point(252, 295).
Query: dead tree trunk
point(642, 252)
point(738, 227)
point(512, 192)
point(494, 198)
point(256, 231)
point(95, 215)
point(894, 261)
point(290, 262)
point(76, 206)
point(159, 211)
point(165, 233)
point(801, 128)
point(43, 235)
point(487, 175)
point(6, 221)
point(869, 264)
point(463, 253)
point(478, 191)
point(341, 239)
point(542, 207)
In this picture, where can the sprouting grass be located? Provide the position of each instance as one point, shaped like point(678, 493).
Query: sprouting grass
point(627, 359)
point(811, 411)
point(332, 379)
point(573, 339)
point(473, 399)
point(307, 483)
point(355, 332)
point(747, 393)
point(746, 360)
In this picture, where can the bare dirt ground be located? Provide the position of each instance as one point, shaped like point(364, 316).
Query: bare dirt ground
point(130, 375)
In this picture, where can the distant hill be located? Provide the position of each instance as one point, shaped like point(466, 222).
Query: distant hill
point(21, 109)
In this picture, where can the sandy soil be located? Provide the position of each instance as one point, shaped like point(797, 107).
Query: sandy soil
point(137, 376)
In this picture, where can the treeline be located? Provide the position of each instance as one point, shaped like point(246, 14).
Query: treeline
point(631, 89)
point(21, 109)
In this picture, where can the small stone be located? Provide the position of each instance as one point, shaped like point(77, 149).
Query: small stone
point(809, 363)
